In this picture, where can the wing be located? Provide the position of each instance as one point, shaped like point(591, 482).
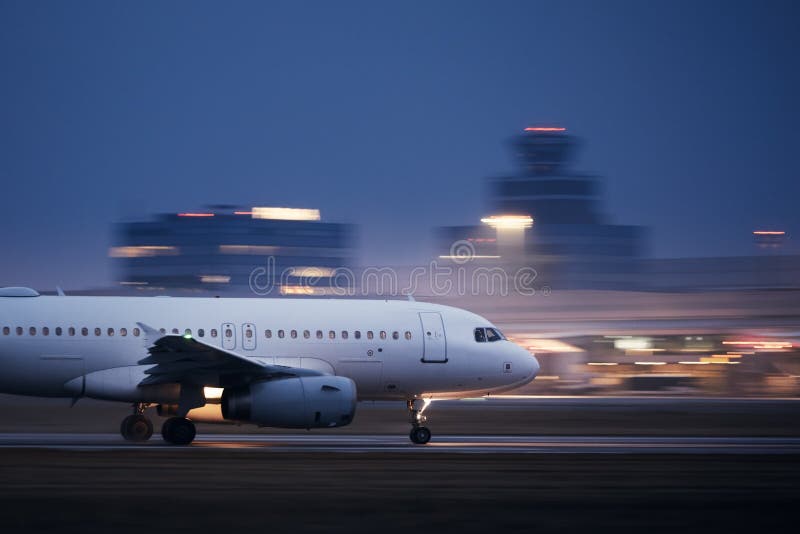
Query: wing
point(185, 360)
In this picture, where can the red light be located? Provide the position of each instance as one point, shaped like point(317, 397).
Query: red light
point(545, 129)
point(195, 215)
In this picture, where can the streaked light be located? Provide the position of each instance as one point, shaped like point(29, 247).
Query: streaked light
point(195, 215)
point(633, 343)
point(242, 212)
point(312, 272)
point(508, 221)
point(248, 249)
point(471, 257)
point(545, 129)
point(286, 214)
point(215, 279)
point(133, 283)
point(694, 363)
point(143, 251)
point(602, 363)
point(650, 363)
point(544, 346)
point(301, 290)
point(769, 232)
point(548, 377)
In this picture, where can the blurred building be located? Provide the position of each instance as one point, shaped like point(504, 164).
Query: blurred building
point(569, 242)
point(229, 249)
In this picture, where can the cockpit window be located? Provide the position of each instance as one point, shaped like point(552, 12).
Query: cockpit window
point(480, 335)
point(493, 335)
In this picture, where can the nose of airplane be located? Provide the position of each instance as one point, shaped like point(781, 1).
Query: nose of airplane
point(527, 362)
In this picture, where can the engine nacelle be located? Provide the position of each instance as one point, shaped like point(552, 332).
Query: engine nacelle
point(306, 402)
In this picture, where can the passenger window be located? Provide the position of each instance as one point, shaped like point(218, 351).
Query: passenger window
point(306, 334)
point(344, 334)
point(319, 334)
point(162, 330)
point(395, 335)
point(98, 332)
point(357, 334)
point(110, 332)
point(267, 334)
point(408, 334)
point(213, 332)
point(19, 330)
point(383, 334)
point(136, 332)
point(188, 332)
point(248, 333)
point(71, 330)
point(6, 330)
point(280, 334)
point(32, 330)
point(123, 332)
point(480, 335)
point(369, 334)
point(45, 331)
point(59, 331)
point(174, 330)
point(201, 332)
point(84, 331)
point(294, 334)
point(331, 334)
point(228, 333)
point(493, 335)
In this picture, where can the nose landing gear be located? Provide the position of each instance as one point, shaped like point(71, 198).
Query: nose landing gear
point(137, 427)
point(419, 434)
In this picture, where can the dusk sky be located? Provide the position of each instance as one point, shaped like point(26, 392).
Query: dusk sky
point(389, 115)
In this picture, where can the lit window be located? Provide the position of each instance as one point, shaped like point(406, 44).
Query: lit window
point(201, 332)
point(71, 330)
point(213, 332)
point(136, 332)
point(45, 331)
point(293, 333)
point(98, 332)
point(280, 334)
point(344, 334)
point(267, 334)
point(19, 330)
point(331, 334)
point(84, 331)
point(408, 334)
point(369, 334)
point(228, 333)
point(383, 334)
point(6, 330)
point(480, 335)
point(357, 334)
point(187, 332)
point(319, 334)
point(123, 332)
point(110, 332)
point(32, 330)
point(306, 334)
point(395, 335)
point(174, 330)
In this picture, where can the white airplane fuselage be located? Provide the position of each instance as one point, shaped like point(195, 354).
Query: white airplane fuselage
point(58, 346)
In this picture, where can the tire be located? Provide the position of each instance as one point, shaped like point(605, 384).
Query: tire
point(178, 431)
point(136, 428)
point(420, 435)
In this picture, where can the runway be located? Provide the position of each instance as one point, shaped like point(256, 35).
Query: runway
point(306, 443)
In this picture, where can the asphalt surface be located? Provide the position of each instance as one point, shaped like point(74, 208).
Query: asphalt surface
point(307, 443)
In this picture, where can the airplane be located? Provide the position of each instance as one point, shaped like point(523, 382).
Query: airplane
point(287, 363)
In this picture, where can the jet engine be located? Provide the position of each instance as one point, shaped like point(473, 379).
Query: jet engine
point(305, 402)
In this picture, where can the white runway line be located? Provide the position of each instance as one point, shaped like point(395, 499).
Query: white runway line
point(400, 444)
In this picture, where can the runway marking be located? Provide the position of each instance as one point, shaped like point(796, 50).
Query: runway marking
point(349, 443)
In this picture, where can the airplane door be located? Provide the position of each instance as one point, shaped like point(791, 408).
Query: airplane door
point(248, 336)
point(435, 345)
point(228, 332)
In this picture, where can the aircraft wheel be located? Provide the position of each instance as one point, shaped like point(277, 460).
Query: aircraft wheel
point(178, 431)
point(137, 428)
point(420, 435)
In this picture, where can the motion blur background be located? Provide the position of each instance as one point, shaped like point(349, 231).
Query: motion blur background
point(613, 184)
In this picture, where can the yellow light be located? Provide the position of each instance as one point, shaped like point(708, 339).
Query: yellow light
point(650, 363)
point(212, 393)
point(144, 251)
point(601, 363)
point(215, 279)
point(312, 272)
point(508, 222)
point(301, 290)
point(694, 363)
point(286, 214)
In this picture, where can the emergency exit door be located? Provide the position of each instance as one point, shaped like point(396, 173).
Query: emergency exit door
point(434, 344)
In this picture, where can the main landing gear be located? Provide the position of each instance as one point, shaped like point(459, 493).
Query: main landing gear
point(419, 434)
point(178, 431)
point(137, 427)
